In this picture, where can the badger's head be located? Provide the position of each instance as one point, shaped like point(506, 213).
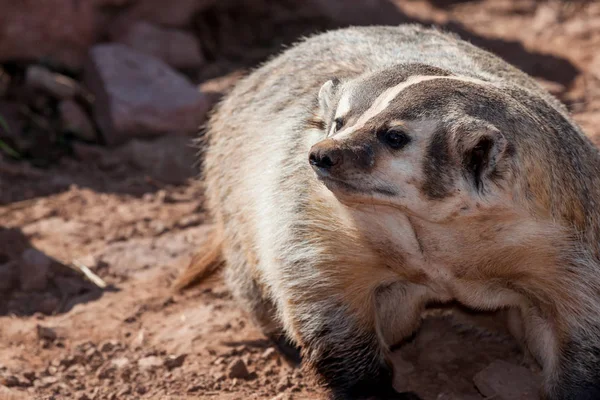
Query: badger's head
point(420, 139)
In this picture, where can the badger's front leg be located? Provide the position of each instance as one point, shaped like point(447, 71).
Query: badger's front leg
point(561, 327)
point(343, 339)
point(570, 354)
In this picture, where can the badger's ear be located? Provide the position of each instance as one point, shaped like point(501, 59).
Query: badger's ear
point(482, 150)
point(327, 94)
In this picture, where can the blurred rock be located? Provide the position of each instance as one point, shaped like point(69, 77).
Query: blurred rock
point(45, 333)
point(172, 13)
point(75, 120)
point(237, 369)
point(35, 267)
point(120, 363)
point(140, 96)
point(9, 274)
point(177, 48)
point(56, 85)
point(504, 381)
point(170, 159)
point(173, 362)
point(151, 362)
point(58, 30)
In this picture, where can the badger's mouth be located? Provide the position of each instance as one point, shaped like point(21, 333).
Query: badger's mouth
point(345, 188)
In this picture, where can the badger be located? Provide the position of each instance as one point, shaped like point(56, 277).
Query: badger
point(367, 172)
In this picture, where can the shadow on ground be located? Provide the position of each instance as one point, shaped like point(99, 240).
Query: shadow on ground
point(31, 282)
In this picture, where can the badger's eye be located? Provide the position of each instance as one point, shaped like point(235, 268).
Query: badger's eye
point(338, 123)
point(395, 139)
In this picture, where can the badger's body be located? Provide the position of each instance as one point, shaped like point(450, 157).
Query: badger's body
point(366, 172)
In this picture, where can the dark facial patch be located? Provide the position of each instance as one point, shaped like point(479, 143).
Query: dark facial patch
point(437, 167)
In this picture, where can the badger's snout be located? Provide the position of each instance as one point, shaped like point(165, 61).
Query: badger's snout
point(325, 155)
point(331, 157)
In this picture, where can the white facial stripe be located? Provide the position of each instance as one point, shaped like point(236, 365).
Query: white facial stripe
point(343, 106)
point(383, 101)
point(342, 109)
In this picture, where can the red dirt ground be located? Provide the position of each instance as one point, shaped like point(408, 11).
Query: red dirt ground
point(113, 212)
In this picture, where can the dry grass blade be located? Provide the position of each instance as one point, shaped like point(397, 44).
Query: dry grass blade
point(95, 279)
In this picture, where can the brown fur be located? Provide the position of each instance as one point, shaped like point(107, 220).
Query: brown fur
point(203, 264)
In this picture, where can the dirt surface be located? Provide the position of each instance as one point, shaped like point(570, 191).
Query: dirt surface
point(123, 214)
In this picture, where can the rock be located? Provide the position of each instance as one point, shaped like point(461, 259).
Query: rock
point(141, 389)
point(504, 381)
point(45, 333)
point(75, 120)
point(29, 375)
point(177, 48)
point(269, 353)
point(106, 371)
point(173, 13)
point(72, 360)
point(46, 381)
point(173, 362)
point(169, 159)
point(120, 363)
point(57, 30)
point(140, 96)
point(9, 275)
point(35, 267)
point(237, 370)
point(108, 346)
point(283, 396)
point(140, 339)
point(193, 388)
point(56, 85)
point(151, 362)
point(9, 381)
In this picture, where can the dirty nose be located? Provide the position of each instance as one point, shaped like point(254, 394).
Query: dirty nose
point(325, 155)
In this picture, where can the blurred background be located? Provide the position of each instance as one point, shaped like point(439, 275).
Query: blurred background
point(99, 208)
